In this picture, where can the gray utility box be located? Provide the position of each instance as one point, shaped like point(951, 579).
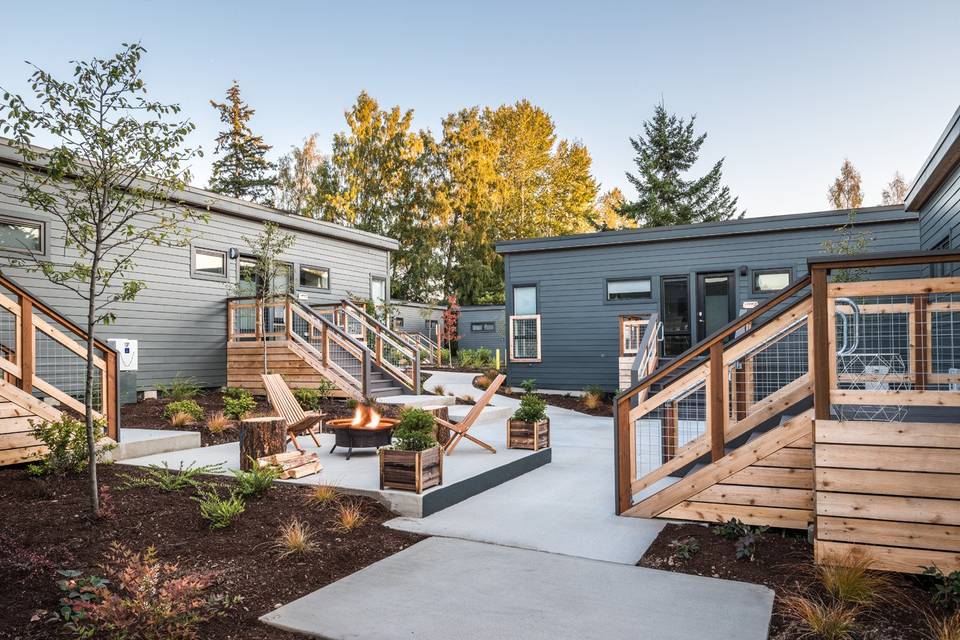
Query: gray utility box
point(128, 361)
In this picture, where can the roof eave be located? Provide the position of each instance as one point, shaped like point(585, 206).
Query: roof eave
point(942, 161)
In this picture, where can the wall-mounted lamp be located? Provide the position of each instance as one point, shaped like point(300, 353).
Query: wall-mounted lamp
point(743, 270)
point(233, 253)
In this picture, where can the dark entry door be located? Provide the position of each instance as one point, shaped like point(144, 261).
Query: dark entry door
point(716, 302)
point(675, 314)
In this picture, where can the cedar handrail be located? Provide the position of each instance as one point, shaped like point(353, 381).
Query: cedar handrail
point(26, 356)
point(381, 332)
point(648, 339)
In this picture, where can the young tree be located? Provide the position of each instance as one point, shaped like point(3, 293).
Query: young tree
point(296, 191)
point(109, 179)
point(269, 278)
point(896, 191)
point(846, 192)
point(666, 150)
point(607, 216)
point(451, 321)
point(242, 170)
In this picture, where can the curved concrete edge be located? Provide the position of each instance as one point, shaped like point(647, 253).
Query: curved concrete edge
point(488, 591)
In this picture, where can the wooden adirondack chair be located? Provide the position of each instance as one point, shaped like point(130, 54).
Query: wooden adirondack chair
point(461, 428)
point(283, 402)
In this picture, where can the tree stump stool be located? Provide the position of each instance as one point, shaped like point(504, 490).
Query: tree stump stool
point(442, 412)
point(261, 437)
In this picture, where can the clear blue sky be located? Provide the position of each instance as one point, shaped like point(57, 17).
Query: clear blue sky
point(785, 90)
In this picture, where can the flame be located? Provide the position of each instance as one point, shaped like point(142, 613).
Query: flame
point(373, 420)
point(357, 418)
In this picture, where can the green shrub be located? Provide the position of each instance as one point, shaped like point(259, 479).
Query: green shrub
point(180, 388)
point(444, 354)
point(475, 358)
point(746, 537)
point(66, 441)
point(946, 587)
point(325, 387)
point(532, 408)
point(415, 431)
point(309, 399)
point(237, 408)
point(529, 385)
point(219, 512)
point(685, 548)
point(164, 479)
point(256, 481)
point(189, 407)
point(236, 392)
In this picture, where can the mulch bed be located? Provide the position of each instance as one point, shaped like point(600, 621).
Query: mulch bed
point(148, 414)
point(784, 563)
point(567, 402)
point(47, 528)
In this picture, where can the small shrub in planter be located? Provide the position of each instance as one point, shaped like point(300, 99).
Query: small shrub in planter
point(189, 407)
point(529, 427)
point(414, 462)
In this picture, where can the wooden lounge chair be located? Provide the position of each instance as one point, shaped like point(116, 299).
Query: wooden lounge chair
point(283, 402)
point(460, 429)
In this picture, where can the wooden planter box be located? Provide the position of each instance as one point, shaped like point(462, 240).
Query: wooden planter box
point(528, 435)
point(411, 470)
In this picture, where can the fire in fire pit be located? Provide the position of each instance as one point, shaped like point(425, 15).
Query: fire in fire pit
point(367, 428)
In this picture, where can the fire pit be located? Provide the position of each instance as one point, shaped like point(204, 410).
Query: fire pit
point(365, 429)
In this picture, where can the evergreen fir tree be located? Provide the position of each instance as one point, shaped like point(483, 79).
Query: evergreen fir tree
point(666, 150)
point(241, 170)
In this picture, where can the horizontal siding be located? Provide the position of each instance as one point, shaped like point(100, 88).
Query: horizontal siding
point(580, 329)
point(415, 317)
point(475, 340)
point(180, 321)
point(941, 214)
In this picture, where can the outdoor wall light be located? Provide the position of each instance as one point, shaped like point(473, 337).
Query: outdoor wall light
point(233, 253)
point(743, 270)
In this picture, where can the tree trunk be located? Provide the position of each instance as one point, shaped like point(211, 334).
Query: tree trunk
point(261, 437)
point(88, 388)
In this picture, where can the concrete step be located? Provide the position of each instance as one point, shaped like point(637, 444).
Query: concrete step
point(135, 443)
point(459, 411)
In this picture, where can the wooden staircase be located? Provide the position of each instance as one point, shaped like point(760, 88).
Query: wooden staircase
point(831, 406)
point(340, 343)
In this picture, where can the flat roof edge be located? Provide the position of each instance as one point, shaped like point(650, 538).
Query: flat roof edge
point(943, 159)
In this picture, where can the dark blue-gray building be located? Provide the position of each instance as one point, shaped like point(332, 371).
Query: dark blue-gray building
point(935, 194)
point(576, 306)
point(483, 326)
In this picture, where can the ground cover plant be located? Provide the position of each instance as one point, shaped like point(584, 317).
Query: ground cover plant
point(240, 560)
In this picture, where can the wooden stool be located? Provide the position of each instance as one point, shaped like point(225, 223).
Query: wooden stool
point(261, 437)
point(442, 412)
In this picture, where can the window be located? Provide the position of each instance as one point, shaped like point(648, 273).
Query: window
point(525, 338)
point(631, 332)
point(378, 290)
point(314, 277)
point(398, 323)
point(24, 236)
point(483, 327)
point(633, 289)
point(431, 327)
point(770, 280)
point(525, 300)
point(209, 264)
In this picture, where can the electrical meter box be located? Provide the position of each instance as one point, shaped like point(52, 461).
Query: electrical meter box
point(128, 361)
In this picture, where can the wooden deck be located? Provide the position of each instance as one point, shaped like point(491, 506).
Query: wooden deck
point(245, 365)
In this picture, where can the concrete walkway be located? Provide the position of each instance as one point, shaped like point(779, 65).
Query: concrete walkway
point(440, 589)
point(564, 507)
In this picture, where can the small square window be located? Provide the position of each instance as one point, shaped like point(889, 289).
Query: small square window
point(632, 289)
point(314, 277)
point(23, 236)
point(525, 300)
point(482, 327)
point(770, 280)
point(398, 322)
point(209, 263)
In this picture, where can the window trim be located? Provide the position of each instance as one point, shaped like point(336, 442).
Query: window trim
point(300, 285)
point(536, 317)
point(754, 273)
point(641, 321)
point(17, 219)
point(386, 289)
point(606, 290)
point(200, 275)
point(483, 323)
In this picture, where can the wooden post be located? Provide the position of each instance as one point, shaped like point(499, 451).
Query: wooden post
point(379, 347)
point(288, 317)
point(670, 432)
point(717, 410)
point(25, 350)
point(325, 345)
point(261, 437)
point(821, 345)
point(624, 492)
point(921, 356)
point(110, 397)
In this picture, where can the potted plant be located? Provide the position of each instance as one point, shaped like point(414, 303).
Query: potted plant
point(529, 427)
point(414, 461)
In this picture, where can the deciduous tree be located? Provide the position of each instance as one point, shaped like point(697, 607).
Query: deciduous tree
point(606, 214)
point(896, 190)
point(296, 190)
point(666, 150)
point(110, 179)
point(242, 169)
point(846, 192)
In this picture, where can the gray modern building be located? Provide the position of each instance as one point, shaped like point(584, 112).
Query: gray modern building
point(180, 319)
point(416, 317)
point(935, 194)
point(483, 326)
point(576, 306)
